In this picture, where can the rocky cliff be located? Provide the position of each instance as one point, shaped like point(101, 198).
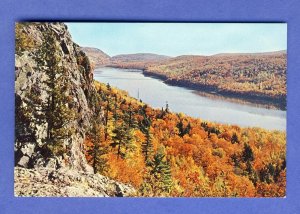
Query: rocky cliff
point(53, 80)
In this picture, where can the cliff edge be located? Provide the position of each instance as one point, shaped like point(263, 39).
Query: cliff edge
point(54, 109)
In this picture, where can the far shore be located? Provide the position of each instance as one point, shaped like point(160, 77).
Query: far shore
point(249, 98)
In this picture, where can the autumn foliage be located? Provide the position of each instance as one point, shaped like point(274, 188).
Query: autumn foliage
point(256, 77)
point(166, 154)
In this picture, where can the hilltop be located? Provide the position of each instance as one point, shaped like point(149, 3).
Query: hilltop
point(96, 56)
point(258, 77)
point(140, 57)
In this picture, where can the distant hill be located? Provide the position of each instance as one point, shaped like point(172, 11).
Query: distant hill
point(252, 76)
point(96, 56)
point(259, 76)
point(145, 57)
point(137, 61)
point(252, 54)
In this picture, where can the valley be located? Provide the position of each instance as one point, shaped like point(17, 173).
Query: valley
point(259, 78)
point(85, 126)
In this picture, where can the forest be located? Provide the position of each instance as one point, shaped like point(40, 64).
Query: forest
point(260, 77)
point(163, 154)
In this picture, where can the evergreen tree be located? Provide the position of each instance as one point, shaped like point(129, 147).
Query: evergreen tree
point(247, 153)
point(167, 107)
point(234, 138)
point(122, 139)
point(106, 117)
point(183, 130)
point(147, 146)
point(145, 123)
point(108, 87)
point(180, 128)
point(96, 150)
point(58, 109)
point(161, 171)
point(115, 109)
point(131, 120)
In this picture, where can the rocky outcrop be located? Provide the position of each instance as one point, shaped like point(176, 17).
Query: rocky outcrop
point(46, 52)
point(30, 132)
point(67, 183)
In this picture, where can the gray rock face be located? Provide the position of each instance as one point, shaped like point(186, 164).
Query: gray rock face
point(67, 183)
point(30, 135)
point(36, 172)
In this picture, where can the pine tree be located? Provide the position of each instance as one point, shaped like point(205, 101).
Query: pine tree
point(106, 117)
point(97, 151)
point(58, 109)
point(161, 171)
point(122, 139)
point(183, 130)
point(144, 125)
point(247, 153)
point(131, 120)
point(108, 87)
point(147, 146)
point(167, 107)
point(234, 138)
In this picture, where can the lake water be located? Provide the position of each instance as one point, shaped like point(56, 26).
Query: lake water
point(156, 93)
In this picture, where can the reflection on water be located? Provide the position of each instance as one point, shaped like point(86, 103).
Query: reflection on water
point(234, 100)
point(197, 104)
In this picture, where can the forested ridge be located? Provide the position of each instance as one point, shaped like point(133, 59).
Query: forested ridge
point(257, 77)
point(166, 154)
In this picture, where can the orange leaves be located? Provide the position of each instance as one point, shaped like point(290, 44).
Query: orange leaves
point(226, 136)
point(236, 72)
point(126, 171)
point(139, 136)
point(207, 159)
point(271, 190)
point(88, 145)
point(240, 186)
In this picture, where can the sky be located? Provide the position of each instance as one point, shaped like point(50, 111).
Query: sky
point(174, 39)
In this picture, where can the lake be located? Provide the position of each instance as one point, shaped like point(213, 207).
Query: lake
point(196, 104)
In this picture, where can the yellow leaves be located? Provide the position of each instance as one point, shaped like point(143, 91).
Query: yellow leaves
point(139, 136)
point(214, 138)
point(240, 186)
point(126, 171)
point(24, 41)
point(205, 161)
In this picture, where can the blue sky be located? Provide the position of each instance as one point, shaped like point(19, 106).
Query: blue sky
point(174, 39)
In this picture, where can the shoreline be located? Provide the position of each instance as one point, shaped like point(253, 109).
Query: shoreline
point(278, 103)
point(275, 102)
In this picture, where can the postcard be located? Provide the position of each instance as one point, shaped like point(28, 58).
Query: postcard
point(116, 109)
